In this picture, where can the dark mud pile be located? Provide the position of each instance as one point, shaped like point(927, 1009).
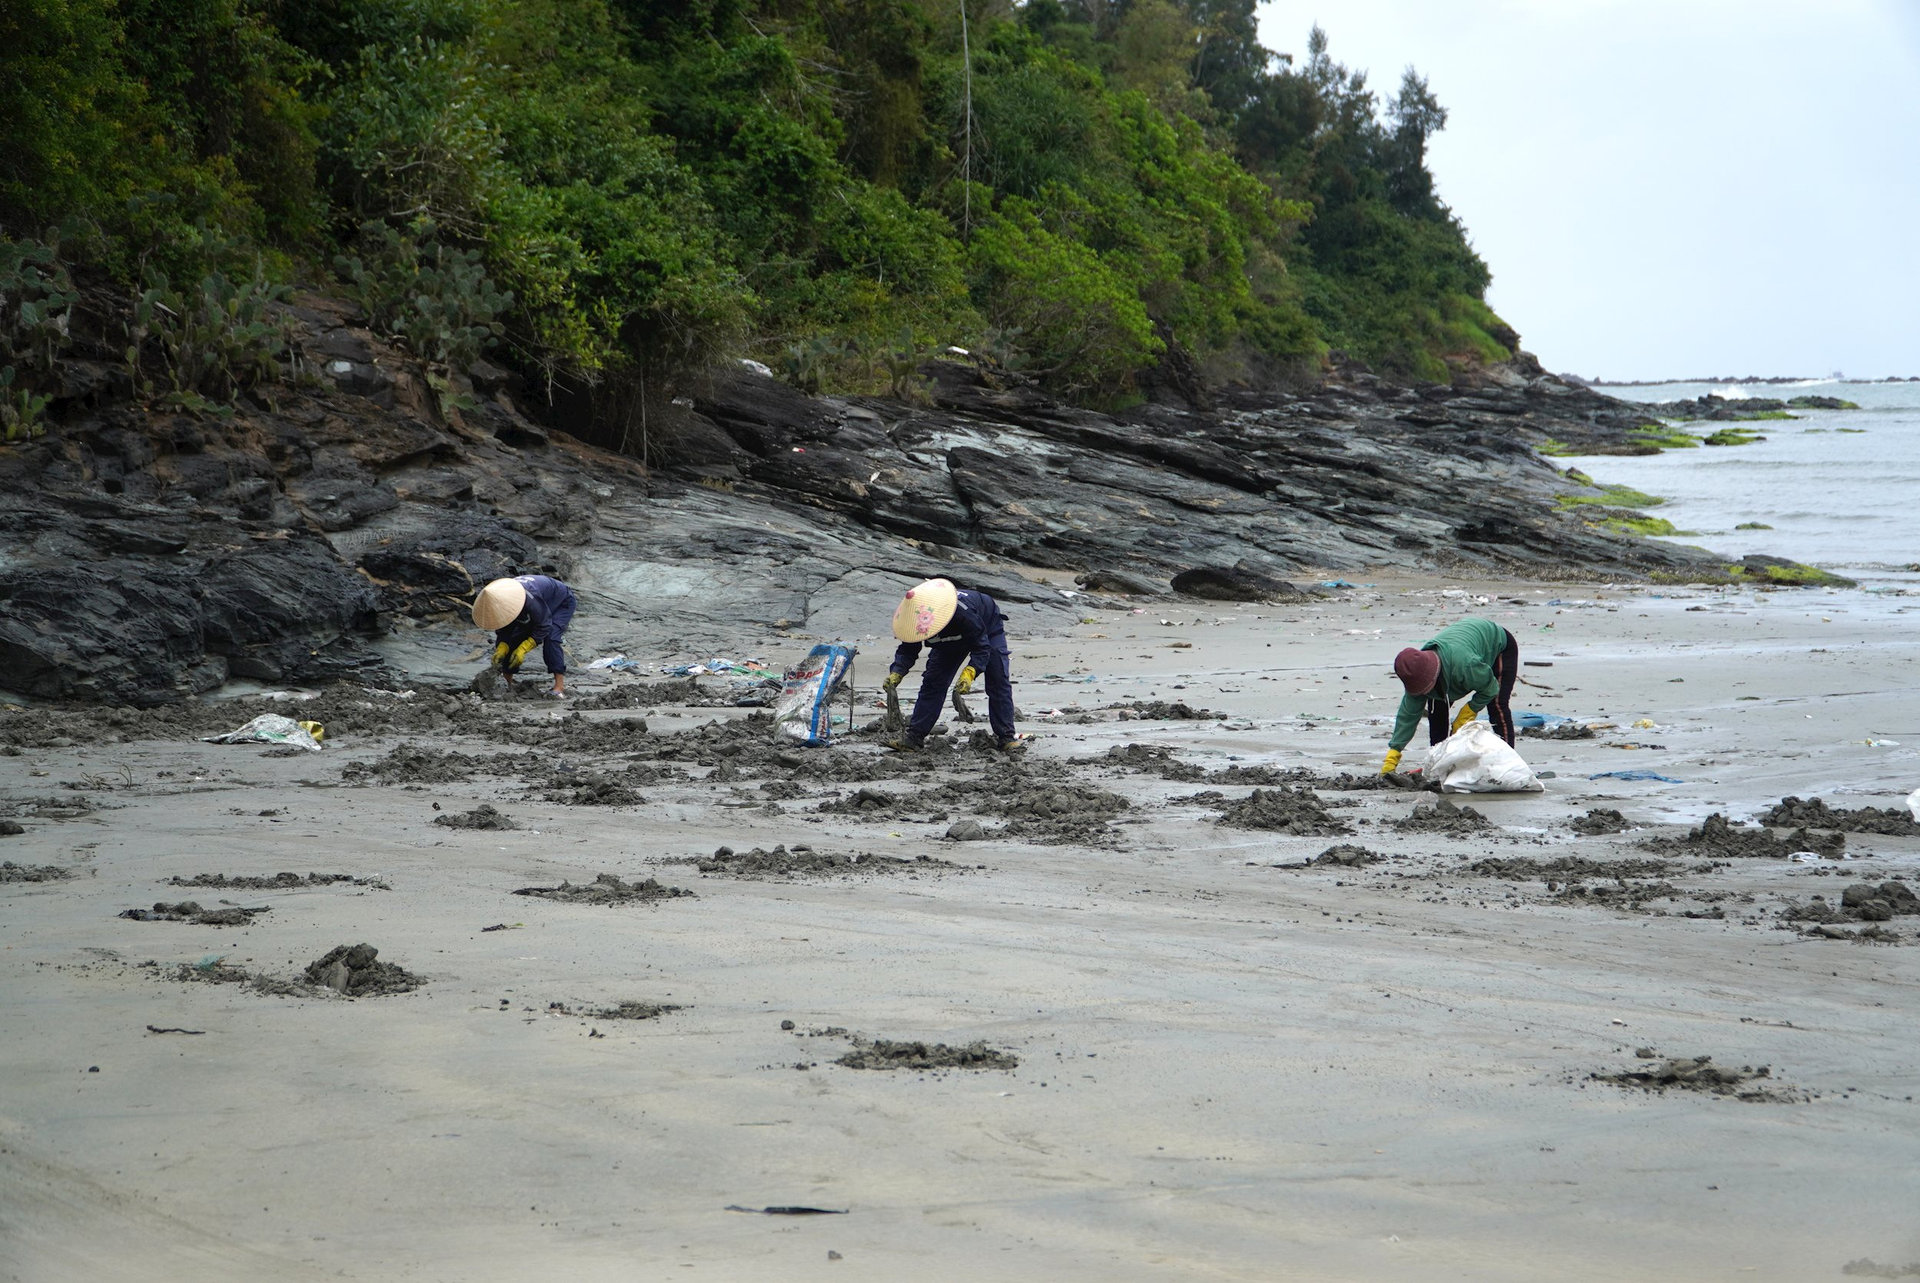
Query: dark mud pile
point(593, 790)
point(411, 764)
point(607, 889)
point(1600, 821)
point(190, 911)
point(1566, 731)
point(804, 861)
point(1155, 759)
point(1568, 868)
point(11, 829)
point(1159, 710)
point(1697, 1073)
point(275, 882)
point(1348, 855)
point(1292, 811)
point(1631, 897)
point(1718, 838)
point(483, 816)
point(11, 872)
point(1444, 819)
point(68, 807)
point(1036, 801)
point(356, 971)
point(1791, 812)
point(629, 1010)
point(880, 1053)
point(1861, 902)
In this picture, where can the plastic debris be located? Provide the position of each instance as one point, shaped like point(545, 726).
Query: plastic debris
point(1634, 775)
point(618, 663)
point(1476, 760)
point(272, 728)
point(1539, 721)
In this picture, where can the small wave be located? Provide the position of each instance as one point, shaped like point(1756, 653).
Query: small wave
point(1732, 392)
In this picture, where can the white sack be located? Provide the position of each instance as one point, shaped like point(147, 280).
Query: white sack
point(1476, 760)
point(269, 728)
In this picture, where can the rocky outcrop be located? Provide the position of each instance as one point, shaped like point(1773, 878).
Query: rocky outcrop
point(153, 554)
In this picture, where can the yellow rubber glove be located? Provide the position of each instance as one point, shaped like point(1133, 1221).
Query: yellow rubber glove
point(892, 681)
point(1466, 715)
point(1392, 763)
point(500, 655)
point(965, 684)
point(519, 656)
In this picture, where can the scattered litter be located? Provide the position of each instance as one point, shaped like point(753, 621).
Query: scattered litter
point(789, 1211)
point(1634, 775)
point(806, 691)
point(721, 665)
point(1645, 724)
point(1539, 721)
point(272, 728)
point(1336, 583)
point(618, 663)
point(1881, 743)
point(1814, 857)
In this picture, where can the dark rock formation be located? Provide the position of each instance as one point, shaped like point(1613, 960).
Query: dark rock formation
point(153, 554)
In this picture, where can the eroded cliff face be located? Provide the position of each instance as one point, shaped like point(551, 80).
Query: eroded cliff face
point(151, 555)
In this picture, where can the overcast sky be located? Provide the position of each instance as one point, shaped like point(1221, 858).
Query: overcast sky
point(1671, 188)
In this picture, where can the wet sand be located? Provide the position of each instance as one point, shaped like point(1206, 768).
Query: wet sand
point(1227, 1067)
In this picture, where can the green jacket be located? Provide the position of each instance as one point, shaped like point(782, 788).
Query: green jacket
point(1467, 652)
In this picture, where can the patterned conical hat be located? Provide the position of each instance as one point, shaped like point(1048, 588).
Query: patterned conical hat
point(499, 604)
point(925, 610)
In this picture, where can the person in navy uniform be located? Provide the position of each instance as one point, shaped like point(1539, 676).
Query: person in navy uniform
point(964, 633)
point(524, 612)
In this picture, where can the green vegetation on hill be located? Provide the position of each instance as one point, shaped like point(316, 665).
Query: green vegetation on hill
point(622, 190)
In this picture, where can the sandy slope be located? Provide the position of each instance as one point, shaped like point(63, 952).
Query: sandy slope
point(1229, 1070)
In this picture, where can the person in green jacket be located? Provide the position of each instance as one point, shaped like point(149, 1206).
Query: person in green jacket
point(1475, 658)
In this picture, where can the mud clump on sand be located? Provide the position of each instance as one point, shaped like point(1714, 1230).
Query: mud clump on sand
point(1562, 732)
point(607, 889)
point(879, 1053)
point(683, 692)
point(11, 872)
point(1861, 902)
point(1600, 820)
point(1155, 759)
point(1720, 839)
point(190, 911)
point(1696, 1073)
point(1445, 819)
point(11, 829)
point(1567, 868)
point(576, 734)
point(408, 764)
point(355, 970)
point(1348, 855)
point(1293, 811)
point(1036, 806)
point(481, 817)
point(1159, 710)
point(629, 1010)
point(278, 882)
point(593, 790)
point(1813, 813)
point(804, 861)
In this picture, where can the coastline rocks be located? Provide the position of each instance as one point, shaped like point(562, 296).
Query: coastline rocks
point(1235, 583)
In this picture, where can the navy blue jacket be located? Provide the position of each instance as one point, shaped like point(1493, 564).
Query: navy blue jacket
point(977, 624)
point(548, 611)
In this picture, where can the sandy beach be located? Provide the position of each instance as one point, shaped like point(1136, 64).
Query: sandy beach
point(1231, 1064)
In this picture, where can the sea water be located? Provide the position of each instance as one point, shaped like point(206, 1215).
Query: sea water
point(1844, 500)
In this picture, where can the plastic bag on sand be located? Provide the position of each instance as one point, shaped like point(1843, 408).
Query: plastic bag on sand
point(803, 712)
point(1476, 760)
point(271, 728)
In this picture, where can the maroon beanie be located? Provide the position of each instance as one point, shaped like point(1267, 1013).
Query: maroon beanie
point(1418, 670)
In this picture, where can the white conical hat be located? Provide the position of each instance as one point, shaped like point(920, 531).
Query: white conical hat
point(925, 610)
point(499, 604)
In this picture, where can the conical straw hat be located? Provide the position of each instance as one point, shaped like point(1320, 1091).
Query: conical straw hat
point(499, 604)
point(925, 610)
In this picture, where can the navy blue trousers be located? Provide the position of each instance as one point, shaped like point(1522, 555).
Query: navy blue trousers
point(943, 663)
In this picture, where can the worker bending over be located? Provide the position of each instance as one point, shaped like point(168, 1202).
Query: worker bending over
point(1476, 658)
point(529, 611)
point(965, 632)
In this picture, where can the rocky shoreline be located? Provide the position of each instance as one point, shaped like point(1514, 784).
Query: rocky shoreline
point(156, 554)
